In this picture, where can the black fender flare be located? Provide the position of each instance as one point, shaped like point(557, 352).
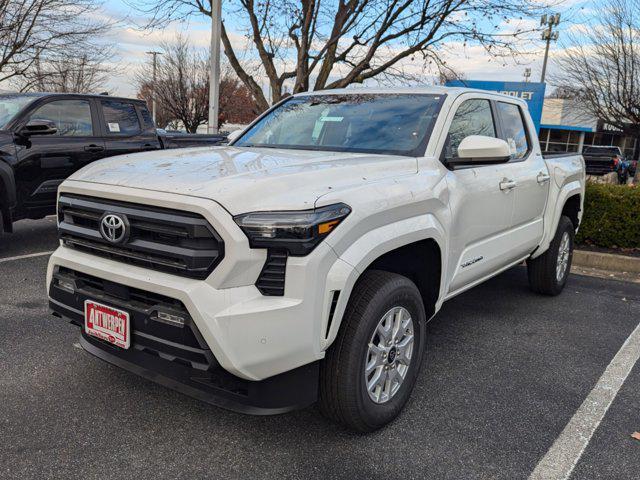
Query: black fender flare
point(8, 196)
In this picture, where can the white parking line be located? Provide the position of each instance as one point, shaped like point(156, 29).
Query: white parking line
point(20, 257)
point(565, 452)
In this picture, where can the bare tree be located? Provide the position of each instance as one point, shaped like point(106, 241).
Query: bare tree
point(68, 71)
point(33, 30)
point(602, 67)
point(182, 89)
point(318, 44)
point(145, 92)
point(566, 92)
point(237, 104)
point(182, 84)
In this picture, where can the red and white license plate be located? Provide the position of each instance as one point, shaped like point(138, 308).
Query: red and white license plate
point(107, 323)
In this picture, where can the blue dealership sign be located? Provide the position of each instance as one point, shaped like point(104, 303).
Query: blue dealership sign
point(530, 92)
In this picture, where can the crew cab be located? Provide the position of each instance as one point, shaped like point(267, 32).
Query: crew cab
point(46, 137)
point(302, 262)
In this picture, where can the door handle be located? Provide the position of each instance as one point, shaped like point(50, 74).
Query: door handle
point(93, 148)
point(508, 185)
point(543, 178)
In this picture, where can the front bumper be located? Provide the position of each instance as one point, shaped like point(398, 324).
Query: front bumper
point(177, 357)
point(252, 337)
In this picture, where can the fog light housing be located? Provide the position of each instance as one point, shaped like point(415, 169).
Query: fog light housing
point(67, 285)
point(170, 318)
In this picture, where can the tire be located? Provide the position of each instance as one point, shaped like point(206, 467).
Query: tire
point(623, 177)
point(344, 396)
point(545, 275)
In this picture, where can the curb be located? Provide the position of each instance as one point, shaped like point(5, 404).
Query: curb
point(606, 261)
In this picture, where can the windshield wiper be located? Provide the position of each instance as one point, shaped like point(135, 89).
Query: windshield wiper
point(259, 145)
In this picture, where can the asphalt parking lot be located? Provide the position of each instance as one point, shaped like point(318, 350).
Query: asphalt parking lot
point(505, 371)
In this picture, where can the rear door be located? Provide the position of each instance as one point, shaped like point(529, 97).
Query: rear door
point(529, 171)
point(44, 161)
point(126, 131)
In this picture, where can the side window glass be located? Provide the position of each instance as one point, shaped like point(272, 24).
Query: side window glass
point(120, 118)
point(514, 129)
point(147, 119)
point(473, 117)
point(71, 117)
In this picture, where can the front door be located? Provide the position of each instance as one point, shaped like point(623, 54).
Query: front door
point(481, 203)
point(44, 161)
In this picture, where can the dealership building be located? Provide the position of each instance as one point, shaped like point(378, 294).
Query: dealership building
point(563, 129)
point(561, 126)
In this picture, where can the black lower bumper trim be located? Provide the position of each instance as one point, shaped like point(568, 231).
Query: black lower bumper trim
point(282, 393)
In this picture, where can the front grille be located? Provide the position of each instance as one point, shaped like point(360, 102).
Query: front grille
point(182, 243)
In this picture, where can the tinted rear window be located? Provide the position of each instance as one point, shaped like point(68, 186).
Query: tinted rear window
point(120, 118)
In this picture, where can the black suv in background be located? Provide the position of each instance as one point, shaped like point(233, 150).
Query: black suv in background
point(44, 138)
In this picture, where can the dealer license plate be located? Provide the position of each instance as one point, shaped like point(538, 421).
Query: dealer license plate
point(107, 323)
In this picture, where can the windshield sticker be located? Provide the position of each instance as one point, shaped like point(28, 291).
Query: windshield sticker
point(114, 127)
point(331, 119)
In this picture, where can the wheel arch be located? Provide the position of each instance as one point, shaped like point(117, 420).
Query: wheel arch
point(572, 208)
point(402, 254)
point(568, 200)
point(7, 195)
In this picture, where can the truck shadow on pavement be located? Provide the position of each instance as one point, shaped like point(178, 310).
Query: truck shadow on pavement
point(30, 236)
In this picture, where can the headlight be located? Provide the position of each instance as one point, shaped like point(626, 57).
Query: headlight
point(298, 232)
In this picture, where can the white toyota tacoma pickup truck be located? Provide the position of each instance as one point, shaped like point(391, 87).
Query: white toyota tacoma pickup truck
point(302, 262)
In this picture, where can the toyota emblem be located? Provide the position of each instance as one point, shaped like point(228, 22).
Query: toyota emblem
point(114, 228)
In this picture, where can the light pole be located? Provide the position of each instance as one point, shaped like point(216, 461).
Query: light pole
point(214, 74)
point(548, 35)
point(153, 87)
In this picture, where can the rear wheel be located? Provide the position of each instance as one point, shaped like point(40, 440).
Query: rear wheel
point(549, 272)
point(370, 370)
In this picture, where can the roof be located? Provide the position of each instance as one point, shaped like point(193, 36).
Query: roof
point(56, 94)
point(424, 90)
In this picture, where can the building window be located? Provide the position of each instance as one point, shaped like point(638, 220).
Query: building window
point(552, 140)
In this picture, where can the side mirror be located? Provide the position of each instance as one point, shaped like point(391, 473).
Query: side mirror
point(39, 127)
point(478, 149)
point(233, 135)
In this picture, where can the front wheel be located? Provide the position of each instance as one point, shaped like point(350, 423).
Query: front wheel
point(549, 272)
point(369, 372)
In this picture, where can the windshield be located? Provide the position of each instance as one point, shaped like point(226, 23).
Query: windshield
point(10, 105)
point(397, 124)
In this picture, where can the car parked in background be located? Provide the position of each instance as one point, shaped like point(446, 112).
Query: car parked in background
point(600, 160)
point(44, 138)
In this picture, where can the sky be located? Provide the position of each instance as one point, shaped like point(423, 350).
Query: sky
point(473, 62)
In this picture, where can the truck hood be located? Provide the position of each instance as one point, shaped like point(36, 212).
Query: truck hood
point(246, 179)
